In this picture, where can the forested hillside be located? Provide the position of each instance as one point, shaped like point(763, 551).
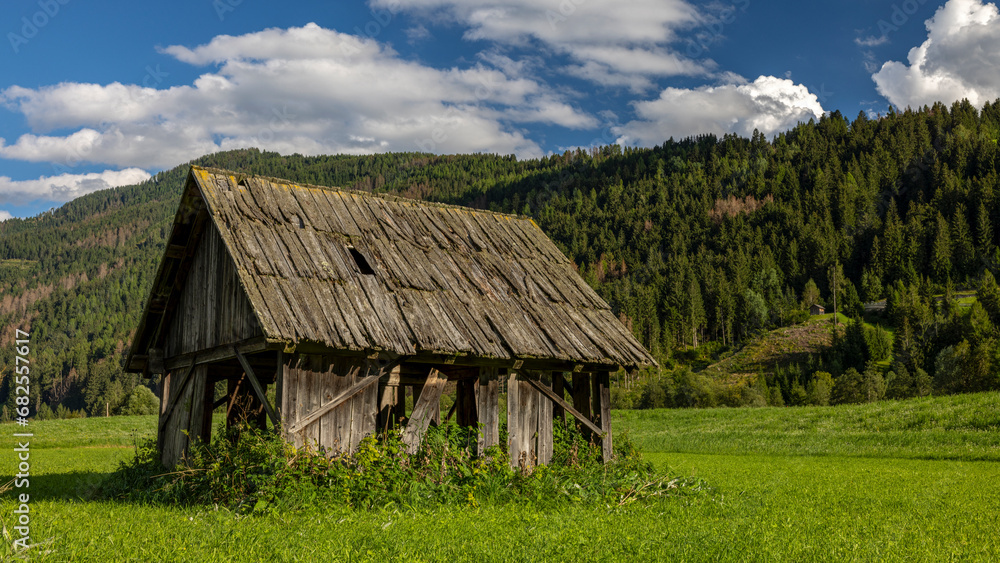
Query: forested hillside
point(697, 244)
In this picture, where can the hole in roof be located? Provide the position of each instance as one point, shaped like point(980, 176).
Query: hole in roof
point(361, 261)
point(302, 224)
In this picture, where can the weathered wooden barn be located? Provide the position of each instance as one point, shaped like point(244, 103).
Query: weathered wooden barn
point(336, 302)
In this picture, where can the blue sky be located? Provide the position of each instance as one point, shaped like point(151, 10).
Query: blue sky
point(94, 95)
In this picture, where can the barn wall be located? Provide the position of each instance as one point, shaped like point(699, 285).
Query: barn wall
point(312, 380)
point(182, 413)
point(212, 309)
point(529, 422)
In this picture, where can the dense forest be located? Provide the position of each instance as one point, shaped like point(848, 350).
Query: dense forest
point(699, 245)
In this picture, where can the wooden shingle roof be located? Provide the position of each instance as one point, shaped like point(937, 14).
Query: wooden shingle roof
point(360, 272)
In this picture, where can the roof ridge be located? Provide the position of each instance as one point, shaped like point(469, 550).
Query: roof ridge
point(384, 196)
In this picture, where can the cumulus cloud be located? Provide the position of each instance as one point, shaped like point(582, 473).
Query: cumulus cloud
point(4, 215)
point(64, 187)
point(609, 42)
point(309, 90)
point(959, 59)
point(768, 104)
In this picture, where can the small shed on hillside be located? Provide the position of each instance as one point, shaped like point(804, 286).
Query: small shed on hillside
point(816, 309)
point(336, 302)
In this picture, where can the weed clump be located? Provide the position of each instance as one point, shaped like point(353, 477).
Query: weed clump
point(248, 470)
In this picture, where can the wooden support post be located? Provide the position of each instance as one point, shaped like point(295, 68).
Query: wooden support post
point(425, 406)
point(581, 399)
point(385, 420)
point(465, 402)
point(559, 388)
point(279, 387)
point(488, 409)
point(602, 411)
point(543, 446)
point(514, 421)
point(174, 394)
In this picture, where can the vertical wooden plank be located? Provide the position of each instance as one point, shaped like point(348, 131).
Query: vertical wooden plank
point(488, 407)
point(162, 423)
point(363, 405)
point(328, 431)
point(182, 421)
point(389, 397)
point(292, 398)
point(386, 404)
point(302, 395)
point(197, 387)
point(423, 409)
point(581, 399)
point(602, 408)
point(545, 409)
point(529, 421)
point(514, 430)
point(279, 388)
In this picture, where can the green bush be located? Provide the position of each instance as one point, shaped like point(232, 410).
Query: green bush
point(248, 471)
point(141, 401)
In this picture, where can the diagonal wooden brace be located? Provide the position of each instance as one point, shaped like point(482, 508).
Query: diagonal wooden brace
point(175, 396)
point(340, 399)
point(258, 389)
point(568, 407)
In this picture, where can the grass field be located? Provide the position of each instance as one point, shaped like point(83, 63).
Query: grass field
point(910, 481)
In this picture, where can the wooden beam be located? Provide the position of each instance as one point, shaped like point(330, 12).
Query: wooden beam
point(566, 406)
point(257, 387)
point(222, 400)
point(175, 395)
point(218, 353)
point(423, 410)
point(351, 391)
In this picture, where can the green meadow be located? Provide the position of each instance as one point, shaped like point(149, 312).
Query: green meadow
point(915, 480)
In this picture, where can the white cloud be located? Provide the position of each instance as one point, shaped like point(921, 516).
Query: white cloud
point(309, 90)
point(871, 41)
point(610, 42)
point(959, 59)
point(4, 215)
point(768, 104)
point(64, 187)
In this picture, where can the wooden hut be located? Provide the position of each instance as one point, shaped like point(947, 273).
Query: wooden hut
point(320, 308)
